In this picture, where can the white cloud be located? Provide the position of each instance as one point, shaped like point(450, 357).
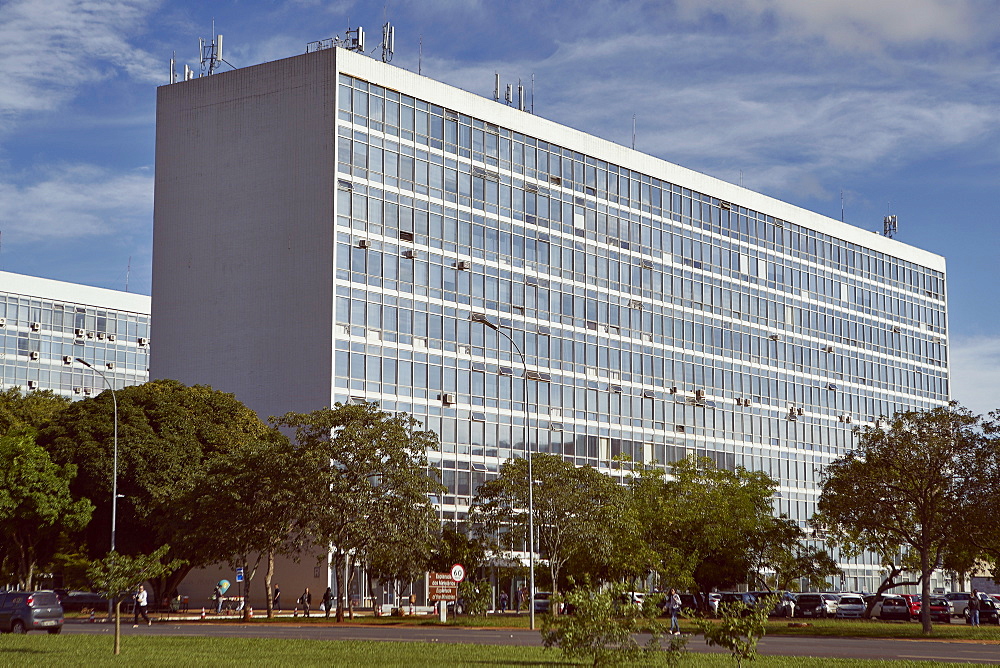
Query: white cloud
point(975, 372)
point(76, 201)
point(49, 49)
point(858, 24)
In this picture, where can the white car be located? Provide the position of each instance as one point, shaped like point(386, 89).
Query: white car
point(713, 602)
point(850, 606)
point(830, 600)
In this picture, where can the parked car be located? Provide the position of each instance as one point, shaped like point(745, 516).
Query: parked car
point(810, 605)
point(892, 607)
point(23, 611)
point(75, 601)
point(542, 600)
point(851, 606)
point(830, 600)
point(940, 609)
point(734, 598)
point(959, 601)
point(713, 602)
point(913, 600)
point(989, 610)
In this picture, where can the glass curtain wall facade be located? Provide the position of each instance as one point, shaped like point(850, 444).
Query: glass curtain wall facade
point(45, 325)
point(657, 321)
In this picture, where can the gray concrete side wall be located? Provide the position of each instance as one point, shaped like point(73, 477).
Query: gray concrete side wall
point(243, 256)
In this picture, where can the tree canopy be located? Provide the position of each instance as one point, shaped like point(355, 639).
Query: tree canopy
point(166, 433)
point(36, 506)
point(916, 482)
point(366, 484)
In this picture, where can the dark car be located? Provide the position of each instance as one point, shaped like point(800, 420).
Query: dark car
point(940, 609)
point(75, 601)
point(735, 599)
point(989, 611)
point(23, 611)
point(810, 605)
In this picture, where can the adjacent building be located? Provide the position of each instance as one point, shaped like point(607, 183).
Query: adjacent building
point(326, 225)
point(45, 325)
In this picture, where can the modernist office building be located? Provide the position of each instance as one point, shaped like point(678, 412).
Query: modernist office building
point(45, 325)
point(325, 225)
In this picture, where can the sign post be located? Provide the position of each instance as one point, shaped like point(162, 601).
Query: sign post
point(443, 587)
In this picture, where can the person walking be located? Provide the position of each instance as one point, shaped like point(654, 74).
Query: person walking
point(277, 598)
point(141, 601)
point(327, 601)
point(217, 595)
point(503, 602)
point(974, 605)
point(674, 608)
point(306, 600)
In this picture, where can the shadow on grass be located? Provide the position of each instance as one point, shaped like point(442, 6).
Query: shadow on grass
point(21, 650)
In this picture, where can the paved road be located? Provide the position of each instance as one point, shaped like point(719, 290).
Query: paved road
point(861, 648)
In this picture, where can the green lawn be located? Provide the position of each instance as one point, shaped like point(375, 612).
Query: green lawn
point(85, 650)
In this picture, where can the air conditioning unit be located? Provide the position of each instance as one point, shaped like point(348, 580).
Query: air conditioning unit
point(699, 394)
point(408, 254)
point(35, 326)
point(800, 411)
point(67, 359)
point(449, 399)
point(112, 337)
point(364, 243)
point(80, 332)
point(847, 419)
point(77, 390)
point(827, 349)
point(100, 336)
point(3, 322)
point(34, 354)
point(673, 390)
point(87, 391)
point(774, 337)
point(143, 341)
point(32, 384)
point(110, 365)
point(462, 265)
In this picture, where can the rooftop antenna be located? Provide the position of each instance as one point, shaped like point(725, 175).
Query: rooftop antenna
point(128, 272)
point(388, 42)
point(841, 205)
point(633, 132)
point(509, 96)
point(173, 69)
point(520, 96)
point(532, 92)
point(420, 57)
point(496, 86)
point(210, 53)
point(889, 226)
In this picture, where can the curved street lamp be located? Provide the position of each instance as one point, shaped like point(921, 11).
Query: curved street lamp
point(484, 320)
point(114, 470)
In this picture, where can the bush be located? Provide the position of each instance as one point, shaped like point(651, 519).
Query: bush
point(740, 629)
point(602, 628)
point(477, 597)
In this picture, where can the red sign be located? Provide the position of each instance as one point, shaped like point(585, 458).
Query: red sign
point(441, 587)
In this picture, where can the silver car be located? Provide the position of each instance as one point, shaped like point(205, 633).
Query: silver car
point(23, 611)
point(851, 606)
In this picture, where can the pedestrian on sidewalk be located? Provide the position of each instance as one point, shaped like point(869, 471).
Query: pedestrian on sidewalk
point(327, 601)
point(141, 600)
point(277, 598)
point(306, 600)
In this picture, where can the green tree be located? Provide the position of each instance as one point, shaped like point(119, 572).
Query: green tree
point(723, 522)
point(604, 629)
point(458, 546)
point(166, 433)
point(917, 483)
point(370, 483)
point(34, 408)
point(36, 505)
point(814, 564)
point(247, 504)
point(117, 575)
point(573, 509)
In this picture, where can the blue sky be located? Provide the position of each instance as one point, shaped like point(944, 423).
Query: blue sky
point(892, 102)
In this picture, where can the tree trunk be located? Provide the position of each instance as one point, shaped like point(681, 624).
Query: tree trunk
point(267, 584)
point(350, 583)
point(338, 569)
point(118, 626)
point(926, 568)
point(246, 590)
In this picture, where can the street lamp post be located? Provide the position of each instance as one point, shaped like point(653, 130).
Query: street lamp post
point(482, 319)
point(114, 465)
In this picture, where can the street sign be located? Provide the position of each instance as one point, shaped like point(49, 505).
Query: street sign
point(458, 572)
point(239, 575)
point(441, 587)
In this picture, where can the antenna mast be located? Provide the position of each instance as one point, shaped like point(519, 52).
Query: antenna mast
point(889, 226)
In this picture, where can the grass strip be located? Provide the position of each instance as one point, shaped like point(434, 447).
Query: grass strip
point(86, 650)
